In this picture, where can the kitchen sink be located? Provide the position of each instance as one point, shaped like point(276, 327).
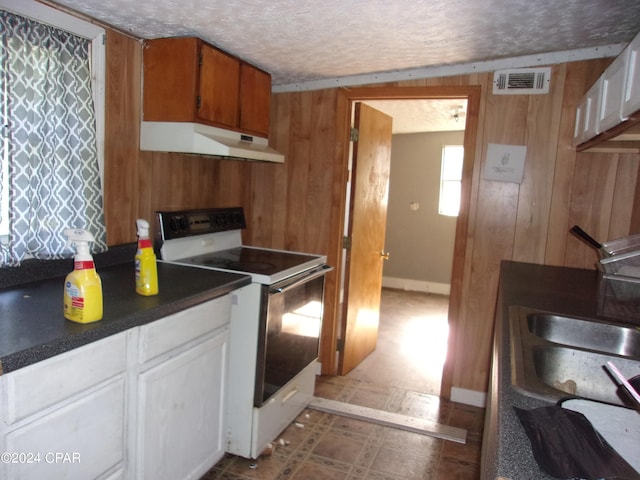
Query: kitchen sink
point(579, 373)
point(603, 337)
point(555, 356)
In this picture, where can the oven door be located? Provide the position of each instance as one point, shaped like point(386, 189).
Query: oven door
point(289, 330)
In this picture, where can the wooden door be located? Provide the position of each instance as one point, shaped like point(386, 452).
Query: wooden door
point(367, 221)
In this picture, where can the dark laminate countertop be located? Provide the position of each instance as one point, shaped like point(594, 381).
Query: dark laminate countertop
point(570, 291)
point(33, 328)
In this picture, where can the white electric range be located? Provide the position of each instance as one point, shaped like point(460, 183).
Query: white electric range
point(275, 321)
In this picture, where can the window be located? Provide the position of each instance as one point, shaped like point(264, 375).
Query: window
point(451, 180)
point(28, 61)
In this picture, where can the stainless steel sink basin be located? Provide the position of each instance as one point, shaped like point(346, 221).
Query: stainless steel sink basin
point(603, 337)
point(555, 357)
point(579, 373)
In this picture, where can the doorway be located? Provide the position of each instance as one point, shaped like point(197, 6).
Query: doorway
point(442, 93)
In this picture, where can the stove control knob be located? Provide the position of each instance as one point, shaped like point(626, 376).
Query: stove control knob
point(178, 223)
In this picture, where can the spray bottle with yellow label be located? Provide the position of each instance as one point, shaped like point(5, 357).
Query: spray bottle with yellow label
point(82, 287)
point(146, 267)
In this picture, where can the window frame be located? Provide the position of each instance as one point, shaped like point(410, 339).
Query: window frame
point(442, 209)
point(82, 28)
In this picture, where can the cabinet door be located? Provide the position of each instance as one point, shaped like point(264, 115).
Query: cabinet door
point(181, 412)
point(613, 78)
point(219, 87)
point(631, 99)
point(34, 388)
point(175, 331)
point(255, 100)
point(591, 112)
point(80, 440)
point(170, 79)
point(578, 132)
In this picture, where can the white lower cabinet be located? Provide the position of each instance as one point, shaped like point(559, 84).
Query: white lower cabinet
point(180, 417)
point(65, 417)
point(81, 440)
point(179, 396)
point(147, 403)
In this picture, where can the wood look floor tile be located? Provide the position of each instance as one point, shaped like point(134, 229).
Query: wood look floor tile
point(411, 465)
point(468, 417)
point(339, 447)
point(468, 453)
point(426, 406)
point(452, 470)
point(263, 467)
point(425, 444)
point(293, 438)
point(372, 396)
point(310, 471)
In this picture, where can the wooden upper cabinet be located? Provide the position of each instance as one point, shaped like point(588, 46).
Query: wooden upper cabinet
point(255, 99)
point(219, 90)
point(170, 69)
point(188, 80)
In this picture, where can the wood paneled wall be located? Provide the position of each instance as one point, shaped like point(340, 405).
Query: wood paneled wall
point(300, 205)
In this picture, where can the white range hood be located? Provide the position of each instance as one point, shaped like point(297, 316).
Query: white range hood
point(185, 137)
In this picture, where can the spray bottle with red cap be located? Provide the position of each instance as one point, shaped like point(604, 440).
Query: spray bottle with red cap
point(146, 267)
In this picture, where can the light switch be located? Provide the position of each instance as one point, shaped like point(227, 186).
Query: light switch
point(414, 206)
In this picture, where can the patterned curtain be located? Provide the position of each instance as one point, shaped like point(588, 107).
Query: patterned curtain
point(48, 124)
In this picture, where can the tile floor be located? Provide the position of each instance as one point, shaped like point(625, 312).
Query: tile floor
point(330, 447)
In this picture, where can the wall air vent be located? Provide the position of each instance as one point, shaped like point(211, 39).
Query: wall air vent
point(521, 81)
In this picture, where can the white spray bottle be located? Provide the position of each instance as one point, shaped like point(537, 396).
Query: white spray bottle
point(82, 287)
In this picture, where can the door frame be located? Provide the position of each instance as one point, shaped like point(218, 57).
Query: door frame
point(472, 93)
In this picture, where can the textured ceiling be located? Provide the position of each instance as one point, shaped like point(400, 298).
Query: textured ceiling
point(412, 116)
point(304, 40)
point(301, 41)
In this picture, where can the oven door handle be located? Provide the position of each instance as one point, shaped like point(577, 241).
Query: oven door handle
point(299, 280)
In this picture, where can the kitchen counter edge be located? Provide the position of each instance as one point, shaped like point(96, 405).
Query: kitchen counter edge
point(33, 328)
point(506, 449)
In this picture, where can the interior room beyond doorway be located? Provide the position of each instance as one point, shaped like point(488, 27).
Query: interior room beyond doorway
point(412, 343)
point(413, 324)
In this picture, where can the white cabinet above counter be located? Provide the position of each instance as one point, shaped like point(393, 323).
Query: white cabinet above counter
point(608, 117)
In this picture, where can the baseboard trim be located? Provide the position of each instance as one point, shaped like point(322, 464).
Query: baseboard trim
point(416, 285)
point(469, 397)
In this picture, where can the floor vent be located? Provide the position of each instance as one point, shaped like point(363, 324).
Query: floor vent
point(521, 81)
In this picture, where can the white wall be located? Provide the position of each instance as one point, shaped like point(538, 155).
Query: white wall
point(420, 242)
